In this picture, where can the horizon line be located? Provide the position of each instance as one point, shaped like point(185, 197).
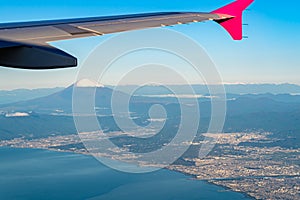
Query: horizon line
point(154, 85)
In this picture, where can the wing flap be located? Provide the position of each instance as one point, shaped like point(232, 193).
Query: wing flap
point(31, 34)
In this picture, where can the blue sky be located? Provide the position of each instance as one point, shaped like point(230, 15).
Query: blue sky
point(270, 55)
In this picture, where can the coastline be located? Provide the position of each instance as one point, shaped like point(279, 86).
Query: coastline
point(188, 176)
point(211, 183)
point(227, 188)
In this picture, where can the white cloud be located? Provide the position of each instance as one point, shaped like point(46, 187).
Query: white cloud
point(17, 114)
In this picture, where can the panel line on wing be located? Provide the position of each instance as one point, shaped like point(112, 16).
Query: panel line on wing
point(71, 29)
point(90, 30)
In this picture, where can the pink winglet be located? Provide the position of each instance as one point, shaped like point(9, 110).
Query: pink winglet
point(231, 17)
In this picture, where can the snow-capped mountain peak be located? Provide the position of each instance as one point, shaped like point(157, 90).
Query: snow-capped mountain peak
point(88, 83)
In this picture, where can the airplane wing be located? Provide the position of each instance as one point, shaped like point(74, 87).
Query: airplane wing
point(24, 45)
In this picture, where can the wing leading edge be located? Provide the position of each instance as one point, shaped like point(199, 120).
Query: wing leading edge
point(24, 45)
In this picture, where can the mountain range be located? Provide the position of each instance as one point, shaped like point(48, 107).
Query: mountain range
point(12, 96)
point(52, 114)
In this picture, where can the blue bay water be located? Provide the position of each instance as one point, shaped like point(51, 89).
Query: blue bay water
point(41, 174)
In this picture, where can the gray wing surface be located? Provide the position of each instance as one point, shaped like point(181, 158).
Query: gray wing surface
point(24, 45)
